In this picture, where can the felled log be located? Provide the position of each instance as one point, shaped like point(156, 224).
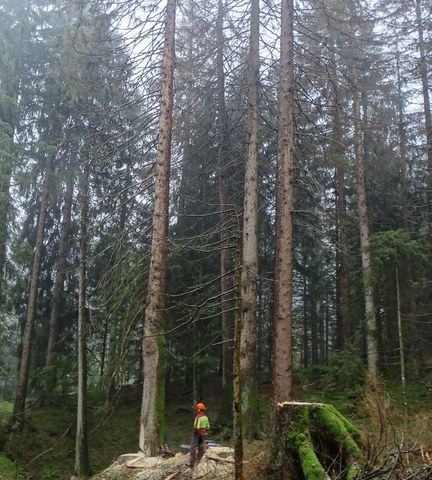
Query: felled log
point(313, 441)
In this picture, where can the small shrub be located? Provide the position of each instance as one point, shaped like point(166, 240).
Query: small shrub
point(50, 474)
point(346, 371)
point(5, 407)
point(8, 470)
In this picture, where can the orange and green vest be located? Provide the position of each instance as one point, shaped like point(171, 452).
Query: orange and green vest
point(201, 423)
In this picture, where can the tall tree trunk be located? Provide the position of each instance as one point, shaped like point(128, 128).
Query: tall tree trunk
point(402, 146)
point(21, 394)
point(57, 300)
point(10, 77)
point(424, 74)
point(249, 272)
point(82, 462)
point(153, 398)
point(237, 381)
point(370, 314)
point(400, 338)
point(186, 133)
point(314, 328)
point(227, 334)
point(5, 179)
point(305, 336)
point(282, 354)
point(413, 336)
point(322, 347)
point(343, 315)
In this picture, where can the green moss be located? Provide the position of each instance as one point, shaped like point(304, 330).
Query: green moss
point(337, 427)
point(352, 471)
point(351, 429)
point(311, 466)
point(300, 440)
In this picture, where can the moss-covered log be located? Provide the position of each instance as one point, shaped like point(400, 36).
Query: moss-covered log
point(313, 441)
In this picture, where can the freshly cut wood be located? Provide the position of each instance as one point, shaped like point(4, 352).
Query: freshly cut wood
point(314, 441)
point(216, 458)
point(128, 457)
point(220, 450)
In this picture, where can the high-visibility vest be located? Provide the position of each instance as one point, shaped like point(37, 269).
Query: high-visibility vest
point(201, 421)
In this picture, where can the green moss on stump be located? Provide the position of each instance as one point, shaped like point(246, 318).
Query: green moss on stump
point(307, 433)
point(311, 466)
point(339, 428)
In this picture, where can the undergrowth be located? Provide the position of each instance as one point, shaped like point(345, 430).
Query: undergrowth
point(45, 450)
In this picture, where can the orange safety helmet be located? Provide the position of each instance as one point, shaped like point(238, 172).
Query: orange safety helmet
point(200, 406)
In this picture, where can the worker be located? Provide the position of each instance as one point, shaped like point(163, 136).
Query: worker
point(201, 424)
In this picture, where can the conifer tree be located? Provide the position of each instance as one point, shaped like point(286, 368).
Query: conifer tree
point(153, 398)
point(283, 287)
point(249, 273)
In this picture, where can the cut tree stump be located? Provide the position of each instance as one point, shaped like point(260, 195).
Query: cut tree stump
point(313, 441)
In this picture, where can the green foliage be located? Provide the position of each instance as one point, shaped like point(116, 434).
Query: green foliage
point(5, 407)
point(50, 474)
point(48, 446)
point(395, 248)
point(347, 370)
point(345, 373)
point(9, 470)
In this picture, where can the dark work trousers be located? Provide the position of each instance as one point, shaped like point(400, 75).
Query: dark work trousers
point(197, 449)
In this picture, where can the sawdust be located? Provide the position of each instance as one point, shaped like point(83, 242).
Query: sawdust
point(217, 464)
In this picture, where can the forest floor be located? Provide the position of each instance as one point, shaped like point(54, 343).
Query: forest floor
point(45, 450)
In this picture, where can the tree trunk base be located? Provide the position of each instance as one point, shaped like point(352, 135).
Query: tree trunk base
point(313, 441)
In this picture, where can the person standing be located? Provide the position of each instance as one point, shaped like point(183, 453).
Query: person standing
point(201, 425)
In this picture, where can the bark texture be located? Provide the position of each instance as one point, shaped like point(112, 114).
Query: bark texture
point(424, 74)
point(152, 406)
point(82, 462)
point(57, 301)
point(249, 272)
point(343, 314)
point(282, 350)
point(227, 328)
point(370, 314)
point(21, 395)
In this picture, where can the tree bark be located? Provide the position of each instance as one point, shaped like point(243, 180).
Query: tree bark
point(249, 272)
point(237, 380)
point(10, 83)
point(312, 439)
point(282, 350)
point(343, 314)
point(423, 67)
point(227, 333)
point(82, 462)
point(21, 395)
point(57, 301)
point(153, 398)
point(370, 314)
point(424, 75)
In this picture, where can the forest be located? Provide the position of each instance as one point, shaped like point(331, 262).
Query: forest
point(220, 201)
